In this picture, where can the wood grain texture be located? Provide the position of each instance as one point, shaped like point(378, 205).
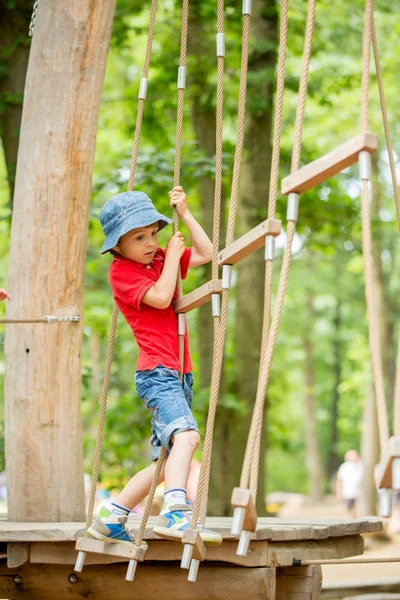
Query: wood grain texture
point(198, 297)
point(50, 582)
point(329, 165)
point(249, 242)
point(47, 259)
point(17, 554)
point(271, 529)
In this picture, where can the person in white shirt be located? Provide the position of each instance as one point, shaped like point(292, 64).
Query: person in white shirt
point(349, 480)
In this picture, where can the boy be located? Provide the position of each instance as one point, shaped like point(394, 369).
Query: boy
point(143, 280)
point(4, 294)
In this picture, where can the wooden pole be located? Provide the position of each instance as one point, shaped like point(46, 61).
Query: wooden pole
point(47, 259)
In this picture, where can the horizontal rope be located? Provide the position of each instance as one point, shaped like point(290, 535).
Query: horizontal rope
point(345, 561)
point(48, 320)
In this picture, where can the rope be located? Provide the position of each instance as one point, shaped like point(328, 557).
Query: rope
point(218, 148)
point(386, 122)
point(47, 320)
point(365, 64)
point(374, 337)
point(114, 318)
point(345, 561)
point(252, 443)
point(200, 507)
point(103, 407)
point(249, 476)
point(396, 400)
point(303, 85)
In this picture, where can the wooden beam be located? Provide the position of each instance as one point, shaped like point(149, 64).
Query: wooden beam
point(249, 242)
point(330, 164)
point(340, 589)
point(217, 582)
point(64, 553)
point(384, 471)
point(43, 374)
point(198, 297)
point(282, 554)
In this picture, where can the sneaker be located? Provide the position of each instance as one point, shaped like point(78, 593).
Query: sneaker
point(111, 528)
point(174, 519)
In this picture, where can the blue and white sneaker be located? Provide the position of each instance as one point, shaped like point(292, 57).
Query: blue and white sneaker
point(175, 518)
point(111, 528)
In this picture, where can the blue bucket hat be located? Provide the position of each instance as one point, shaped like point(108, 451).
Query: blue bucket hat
point(127, 211)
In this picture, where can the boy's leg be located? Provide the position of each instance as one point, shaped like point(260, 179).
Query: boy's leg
point(178, 463)
point(109, 524)
point(138, 487)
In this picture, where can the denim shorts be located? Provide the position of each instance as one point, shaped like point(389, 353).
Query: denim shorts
point(169, 402)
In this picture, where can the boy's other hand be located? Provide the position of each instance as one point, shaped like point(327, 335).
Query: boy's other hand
point(4, 294)
point(176, 245)
point(178, 199)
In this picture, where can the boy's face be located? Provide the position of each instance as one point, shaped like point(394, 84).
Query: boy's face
point(139, 244)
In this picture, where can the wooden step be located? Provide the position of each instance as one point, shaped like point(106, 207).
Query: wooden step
point(249, 242)
point(330, 164)
point(198, 297)
point(384, 471)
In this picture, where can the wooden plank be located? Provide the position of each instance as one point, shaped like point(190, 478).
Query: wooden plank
point(330, 164)
point(17, 554)
point(284, 553)
point(340, 589)
point(249, 242)
point(267, 529)
point(51, 209)
point(384, 471)
point(64, 553)
point(104, 548)
point(50, 582)
point(198, 297)
point(298, 583)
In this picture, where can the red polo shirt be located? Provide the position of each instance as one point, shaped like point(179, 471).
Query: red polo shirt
point(155, 329)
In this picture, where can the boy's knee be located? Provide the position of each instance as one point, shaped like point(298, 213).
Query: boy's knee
point(194, 438)
point(191, 438)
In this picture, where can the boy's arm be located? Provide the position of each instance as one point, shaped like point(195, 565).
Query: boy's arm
point(201, 244)
point(160, 295)
point(4, 294)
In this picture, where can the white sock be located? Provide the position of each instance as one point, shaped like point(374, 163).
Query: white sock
point(175, 496)
point(117, 509)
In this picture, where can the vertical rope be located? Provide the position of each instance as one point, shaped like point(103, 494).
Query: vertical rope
point(114, 318)
point(103, 407)
point(251, 446)
point(365, 64)
point(200, 507)
point(249, 476)
point(218, 148)
point(374, 337)
point(396, 400)
point(303, 85)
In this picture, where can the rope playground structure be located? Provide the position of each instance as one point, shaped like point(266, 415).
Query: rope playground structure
point(217, 291)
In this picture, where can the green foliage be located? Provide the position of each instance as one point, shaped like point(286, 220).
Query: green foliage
point(329, 229)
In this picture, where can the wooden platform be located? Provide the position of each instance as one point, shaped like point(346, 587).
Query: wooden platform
point(46, 554)
point(329, 165)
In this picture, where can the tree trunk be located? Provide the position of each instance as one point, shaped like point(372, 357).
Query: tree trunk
point(370, 435)
point(47, 259)
point(233, 425)
point(314, 467)
point(14, 47)
point(333, 459)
